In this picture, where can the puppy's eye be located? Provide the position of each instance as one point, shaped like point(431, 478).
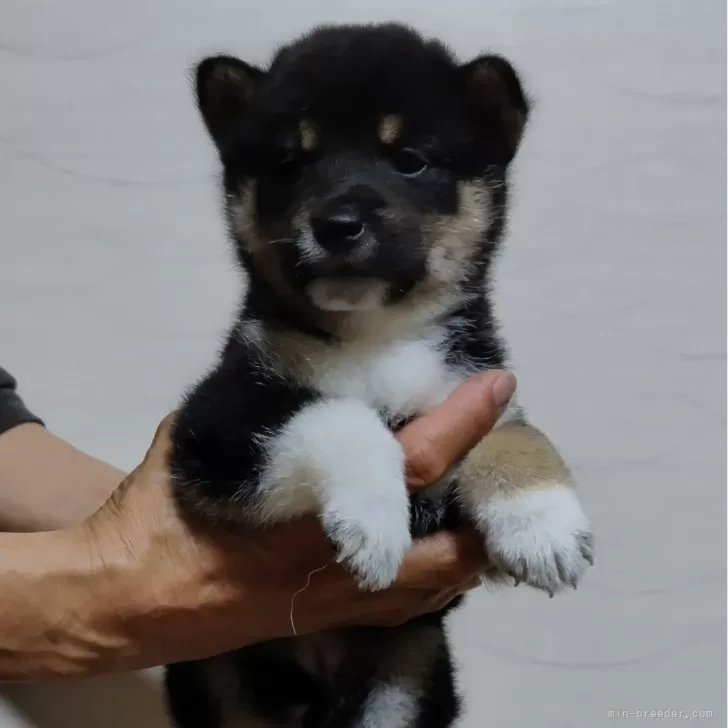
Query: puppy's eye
point(408, 162)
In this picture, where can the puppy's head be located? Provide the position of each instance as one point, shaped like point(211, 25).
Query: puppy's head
point(365, 164)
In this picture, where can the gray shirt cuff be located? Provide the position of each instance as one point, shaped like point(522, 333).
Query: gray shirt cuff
point(13, 411)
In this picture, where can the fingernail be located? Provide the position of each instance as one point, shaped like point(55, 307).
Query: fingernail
point(503, 388)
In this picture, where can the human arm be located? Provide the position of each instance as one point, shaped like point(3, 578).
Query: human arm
point(135, 586)
point(57, 490)
point(61, 488)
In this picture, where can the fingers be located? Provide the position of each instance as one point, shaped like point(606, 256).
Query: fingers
point(302, 543)
point(445, 559)
point(439, 439)
point(403, 605)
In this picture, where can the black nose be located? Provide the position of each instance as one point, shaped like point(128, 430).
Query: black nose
point(338, 228)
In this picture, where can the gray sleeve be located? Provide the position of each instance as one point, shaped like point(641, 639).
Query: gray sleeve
point(12, 410)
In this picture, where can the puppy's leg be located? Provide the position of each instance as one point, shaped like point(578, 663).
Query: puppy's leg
point(259, 451)
point(519, 492)
point(415, 686)
point(337, 457)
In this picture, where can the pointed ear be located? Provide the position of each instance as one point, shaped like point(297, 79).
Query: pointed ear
point(496, 100)
point(225, 89)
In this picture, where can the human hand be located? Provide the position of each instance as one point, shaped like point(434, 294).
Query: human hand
point(176, 591)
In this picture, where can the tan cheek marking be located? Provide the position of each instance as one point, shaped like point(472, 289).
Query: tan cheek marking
point(454, 239)
point(472, 218)
point(242, 216)
point(243, 221)
point(309, 138)
point(390, 127)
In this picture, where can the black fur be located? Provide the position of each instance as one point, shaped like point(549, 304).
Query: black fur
point(465, 122)
point(216, 453)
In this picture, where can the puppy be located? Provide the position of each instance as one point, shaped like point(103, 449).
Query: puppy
point(365, 181)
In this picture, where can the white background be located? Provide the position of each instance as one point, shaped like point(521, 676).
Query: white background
point(115, 284)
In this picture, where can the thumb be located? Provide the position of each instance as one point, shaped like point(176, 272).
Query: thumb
point(439, 439)
point(160, 449)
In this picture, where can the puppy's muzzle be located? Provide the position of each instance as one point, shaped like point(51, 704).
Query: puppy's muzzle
point(339, 229)
point(343, 223)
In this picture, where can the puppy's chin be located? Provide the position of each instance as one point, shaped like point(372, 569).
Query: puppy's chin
point(347, 294)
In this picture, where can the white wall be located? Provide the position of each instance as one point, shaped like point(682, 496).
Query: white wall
point(612, 292)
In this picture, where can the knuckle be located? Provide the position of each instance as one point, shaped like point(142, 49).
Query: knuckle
point(449, 562)
point(428, 466)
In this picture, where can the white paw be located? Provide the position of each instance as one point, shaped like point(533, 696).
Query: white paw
point(338, 459)
point(540, 536)
point(370, 531)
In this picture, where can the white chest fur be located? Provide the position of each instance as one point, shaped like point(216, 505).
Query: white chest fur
point(401, 378)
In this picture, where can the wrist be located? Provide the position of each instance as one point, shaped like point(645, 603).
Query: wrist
point(63, 599)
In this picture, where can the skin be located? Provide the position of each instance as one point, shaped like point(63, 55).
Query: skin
point(67, 485)
point(134, 585)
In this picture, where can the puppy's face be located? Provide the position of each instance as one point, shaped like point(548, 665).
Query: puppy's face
point(365, 164)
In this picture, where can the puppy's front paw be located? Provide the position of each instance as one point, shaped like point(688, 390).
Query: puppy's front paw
point(337, 458)
point(539, 536)
point(370, 531)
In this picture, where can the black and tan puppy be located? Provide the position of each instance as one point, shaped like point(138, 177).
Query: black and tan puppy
point(365, 179)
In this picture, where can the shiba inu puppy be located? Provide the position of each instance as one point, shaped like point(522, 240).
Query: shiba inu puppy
point(365, 176)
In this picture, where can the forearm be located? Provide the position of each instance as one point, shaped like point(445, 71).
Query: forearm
point(88, 601)
point(61, 599)
point(46, 484)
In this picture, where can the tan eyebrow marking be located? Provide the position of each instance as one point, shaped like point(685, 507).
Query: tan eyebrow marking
point(309, 138)
point(390, 128)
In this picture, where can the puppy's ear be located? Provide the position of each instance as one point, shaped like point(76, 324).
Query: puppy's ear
point(497, 102)
point(225, 89)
